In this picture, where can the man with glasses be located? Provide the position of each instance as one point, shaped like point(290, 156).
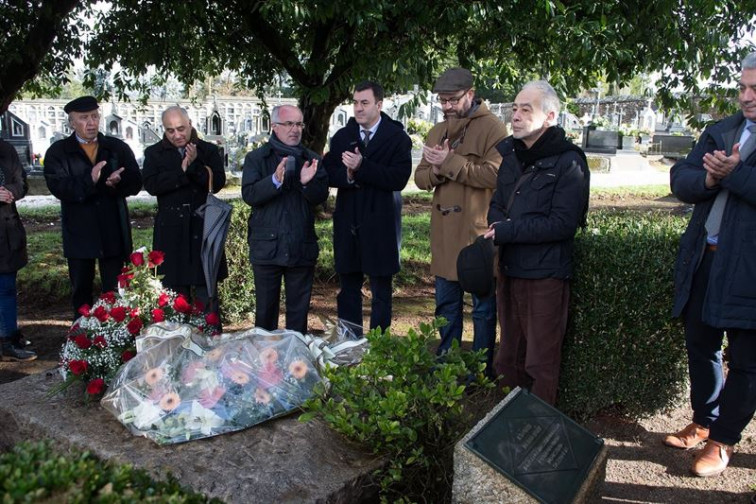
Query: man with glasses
point(459, 165)
point(369, 159)
point(283, 181)
point(92, 174)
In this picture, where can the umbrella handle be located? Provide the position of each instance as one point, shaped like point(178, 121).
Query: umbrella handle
point(209, 179)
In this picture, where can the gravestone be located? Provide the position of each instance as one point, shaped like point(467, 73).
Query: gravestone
point(526, 451)
point(674, 146)
point(601, 141)
point(279, 461)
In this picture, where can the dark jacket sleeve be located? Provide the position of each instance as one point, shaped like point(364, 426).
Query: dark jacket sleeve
point(688, 176)
point(337, 172)
point(63, 184)
point(497, 210)
point(391, 176)
point(210, 156)
point(160, 175)
point(15, 178)
point(131, 176)
point(563, 219)
point(257, 186)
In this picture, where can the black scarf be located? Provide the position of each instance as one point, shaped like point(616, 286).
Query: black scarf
point(553, 142)
point(292, 153)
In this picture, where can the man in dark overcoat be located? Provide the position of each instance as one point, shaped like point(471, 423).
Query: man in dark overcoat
point(369, 159)
point(283, 182)
point(92, 174)
point(715, 281)
point(176, 171)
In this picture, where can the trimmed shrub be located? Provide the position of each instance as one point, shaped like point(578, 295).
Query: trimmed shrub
point(622, 347)
point(34, 472)
point(402, 403)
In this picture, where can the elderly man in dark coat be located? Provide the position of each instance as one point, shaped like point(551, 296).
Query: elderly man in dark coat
point(176, 171)
point(92, 174)
point(283, 182)
point(369, 159)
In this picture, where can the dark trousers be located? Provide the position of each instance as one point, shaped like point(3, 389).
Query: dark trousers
point(82, 271)
point(725, 406)
point(532, 331)
point(349, 299)
point(449, 304)
point(298, 285)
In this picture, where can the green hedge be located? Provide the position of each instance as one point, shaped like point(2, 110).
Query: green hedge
point(622, 347)
point(36, 473)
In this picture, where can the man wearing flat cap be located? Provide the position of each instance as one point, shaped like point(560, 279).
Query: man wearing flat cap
point(92, 174)
point(460, 163)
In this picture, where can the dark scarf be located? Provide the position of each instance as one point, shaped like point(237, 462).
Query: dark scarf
point(553, 142)
point(292, 153)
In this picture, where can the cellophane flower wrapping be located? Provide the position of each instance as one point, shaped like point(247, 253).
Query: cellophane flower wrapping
point(184, 385)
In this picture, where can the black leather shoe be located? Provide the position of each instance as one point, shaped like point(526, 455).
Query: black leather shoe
point(14, 353)
point(18, 339)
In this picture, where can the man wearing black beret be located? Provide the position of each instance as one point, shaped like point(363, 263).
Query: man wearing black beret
point(92, 174)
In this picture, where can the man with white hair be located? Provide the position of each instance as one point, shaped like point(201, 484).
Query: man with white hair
point(715, 280)
point(540, 201)
point(92, 174)
point(176, 171)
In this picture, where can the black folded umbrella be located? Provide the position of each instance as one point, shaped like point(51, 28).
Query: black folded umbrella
point(217, 217)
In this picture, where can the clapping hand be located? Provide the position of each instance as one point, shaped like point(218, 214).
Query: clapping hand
point(308, 171)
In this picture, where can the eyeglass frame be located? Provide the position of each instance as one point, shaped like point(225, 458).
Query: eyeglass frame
point(453, 101)
point(291, 124)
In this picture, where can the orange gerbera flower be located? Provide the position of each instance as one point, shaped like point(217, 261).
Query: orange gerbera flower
point(239, 377)
point(262, 396)
point(153, 376)
point(170, 401)
point(298, 369)
point(269, 356)
point(214, 354)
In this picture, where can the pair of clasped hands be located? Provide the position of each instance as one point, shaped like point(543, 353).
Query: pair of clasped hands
point(305, 175)
point(718, 165)
point(6, 196)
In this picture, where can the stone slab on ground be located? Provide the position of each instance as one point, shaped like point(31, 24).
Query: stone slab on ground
point(280, 461)
point(478, 482)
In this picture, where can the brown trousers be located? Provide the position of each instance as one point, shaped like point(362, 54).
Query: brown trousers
point(533, 319)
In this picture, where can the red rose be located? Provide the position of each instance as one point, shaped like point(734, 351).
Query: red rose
point(118, 313)
point(163, 299)
point(78, 367)
point(82, 341)
point(155, 258)
point(101, 313)
point(96, 386)
point(158, 315)
point(212, 319)
point(134, 312)
point(99, 341)
point(137, 259)
point(108, 297)
point(134, 326)
point(124, 280)
point(127, 355)
point(181, 305)
point(84, 310)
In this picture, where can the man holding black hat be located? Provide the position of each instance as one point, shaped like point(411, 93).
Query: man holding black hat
point(459, 165)
point(540, 201)
point(92, 174)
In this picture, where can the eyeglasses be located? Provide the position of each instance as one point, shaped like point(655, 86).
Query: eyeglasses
point(452, 101)
point(448, 210)
point(291, 124)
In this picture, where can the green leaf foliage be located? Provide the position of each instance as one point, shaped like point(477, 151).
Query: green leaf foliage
point(405, 404)
point(622, 348)
point(38, 473)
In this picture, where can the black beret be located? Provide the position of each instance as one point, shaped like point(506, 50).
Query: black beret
point(475, 266)
point(453, 80)
point(81, 104)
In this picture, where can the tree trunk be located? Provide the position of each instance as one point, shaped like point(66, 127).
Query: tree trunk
point(16, 71)
point(317, 117)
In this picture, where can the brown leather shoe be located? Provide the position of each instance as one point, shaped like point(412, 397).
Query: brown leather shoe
point(713, 459)
point(691, 436)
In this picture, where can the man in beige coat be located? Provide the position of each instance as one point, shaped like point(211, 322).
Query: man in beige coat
point(460, 164)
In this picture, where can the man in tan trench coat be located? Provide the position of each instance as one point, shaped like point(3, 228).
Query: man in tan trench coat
point(460, 163)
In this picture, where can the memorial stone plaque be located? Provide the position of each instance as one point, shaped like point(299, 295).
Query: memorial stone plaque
point(537, 447)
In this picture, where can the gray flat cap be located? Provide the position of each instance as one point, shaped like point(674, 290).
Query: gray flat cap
point(454, 79)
